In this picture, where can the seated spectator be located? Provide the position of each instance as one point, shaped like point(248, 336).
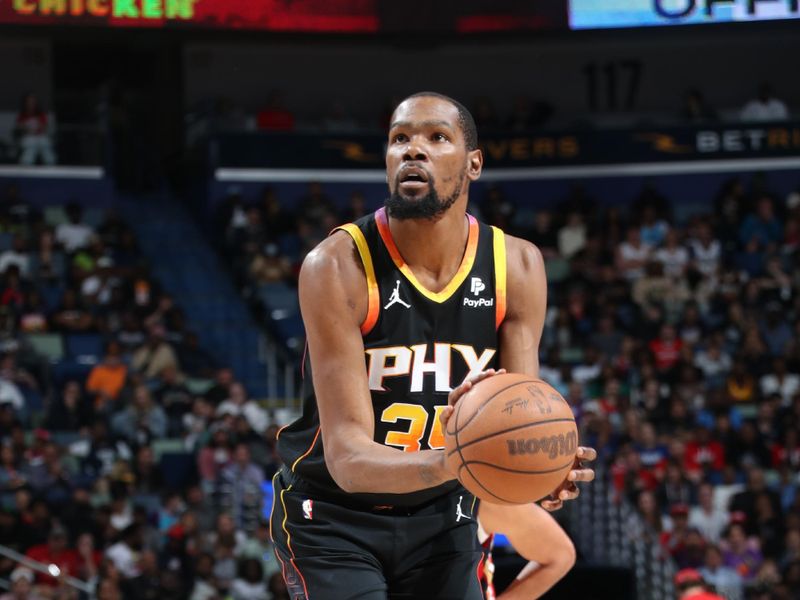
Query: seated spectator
point(275, 116)
point(779, 381)
point(32, 130)
point(71, 316)
point(155, 355)
point(205, 587)
point(174, 397)
point(22, 588)
point(765, 106)
point(706, 250)
point(74, 234)
point(741, 553)
point(269, 266)
point(724, 579)
point(239, 488)
point(12, 289)
point(653, 229)
point(238, 404)
point(696, 109)
point(741, 385)
point(572, 236)
point(107, 378)
point(124, 553)
point(544, 234)
point(714, 362)
point(708, 519)
point(142, 421)
point(632, 255)
point(762, 226)
point(57, 552)
point(47, 262)
point(250, 584)
point(16, 255)
point(666, 348)
point(676, 488)
point(672, 255)
point(775, 330)
point(70, 410)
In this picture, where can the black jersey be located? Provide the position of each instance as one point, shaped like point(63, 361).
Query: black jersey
point(418, 345)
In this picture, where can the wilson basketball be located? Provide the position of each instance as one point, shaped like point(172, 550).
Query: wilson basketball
point(512, 439)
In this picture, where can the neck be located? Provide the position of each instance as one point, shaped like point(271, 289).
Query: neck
point(433, 249)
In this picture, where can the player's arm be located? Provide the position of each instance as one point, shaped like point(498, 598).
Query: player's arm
point(333, 301)
point(537, 537)
point(520, 333)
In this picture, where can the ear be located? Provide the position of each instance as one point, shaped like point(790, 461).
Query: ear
point(474, 164)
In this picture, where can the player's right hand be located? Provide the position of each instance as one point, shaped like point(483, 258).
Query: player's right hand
point(462, 389)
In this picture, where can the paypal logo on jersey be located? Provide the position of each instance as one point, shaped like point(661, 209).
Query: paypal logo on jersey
point(476, 286)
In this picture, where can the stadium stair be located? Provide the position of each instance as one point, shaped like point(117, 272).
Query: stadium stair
point(187, 267)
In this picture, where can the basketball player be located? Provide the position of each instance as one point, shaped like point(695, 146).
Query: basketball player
point(536, 536)
point(399, 307)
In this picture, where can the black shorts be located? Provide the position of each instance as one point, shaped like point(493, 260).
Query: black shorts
point(329, 551)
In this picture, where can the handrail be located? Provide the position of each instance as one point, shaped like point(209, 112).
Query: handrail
point(51, 569)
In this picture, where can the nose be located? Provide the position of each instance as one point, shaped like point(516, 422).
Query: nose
point(414, 151)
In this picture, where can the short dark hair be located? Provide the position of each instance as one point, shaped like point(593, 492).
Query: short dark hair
point(465, 120)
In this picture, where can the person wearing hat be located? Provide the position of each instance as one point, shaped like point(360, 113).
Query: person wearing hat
point(21, 588)
point(56, 552)
point(689, 585)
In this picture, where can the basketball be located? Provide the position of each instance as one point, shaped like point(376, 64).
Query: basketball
point(512, 439)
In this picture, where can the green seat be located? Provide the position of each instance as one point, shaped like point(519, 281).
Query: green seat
point(167, 446)
point(557, 269)
point(49, 345)
point(55, 215)
point(198, 387)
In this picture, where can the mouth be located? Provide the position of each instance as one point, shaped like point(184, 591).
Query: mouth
point(413, 178)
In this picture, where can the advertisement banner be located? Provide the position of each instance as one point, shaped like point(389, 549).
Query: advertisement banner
point(652, 145)
point(600, 14)
point(335, 16)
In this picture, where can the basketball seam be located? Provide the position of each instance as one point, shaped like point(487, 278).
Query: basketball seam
point(490, 398)
point(510, 429)
point(487, 490)
point(521, 471)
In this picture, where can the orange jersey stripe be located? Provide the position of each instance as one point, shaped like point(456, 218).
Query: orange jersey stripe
point(499, 245)
point(310, 448)
point(373, 294)
point(461, 274)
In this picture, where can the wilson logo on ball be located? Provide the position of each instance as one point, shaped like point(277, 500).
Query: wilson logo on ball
point(553, 446)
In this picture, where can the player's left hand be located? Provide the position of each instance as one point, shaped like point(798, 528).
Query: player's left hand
point(569, 490)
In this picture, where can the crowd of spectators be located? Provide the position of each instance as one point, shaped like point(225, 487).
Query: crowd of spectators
point(141, 467)
point(676, 343)
point(523, 114)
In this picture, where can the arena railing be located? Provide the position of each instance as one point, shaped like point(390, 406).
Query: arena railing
point(51, 570)
point(609, 531)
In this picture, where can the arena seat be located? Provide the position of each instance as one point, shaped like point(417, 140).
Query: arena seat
point(84, 348)
point(49, 345)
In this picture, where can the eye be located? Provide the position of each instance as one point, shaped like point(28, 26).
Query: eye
point(399, 138)
point(440, 137)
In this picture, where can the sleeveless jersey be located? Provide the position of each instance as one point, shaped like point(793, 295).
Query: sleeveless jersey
point(418, 345)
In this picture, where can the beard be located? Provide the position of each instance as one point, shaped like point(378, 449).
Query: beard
point(430, 206)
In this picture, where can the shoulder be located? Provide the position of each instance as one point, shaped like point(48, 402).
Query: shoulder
point(523, 256)
point(332, 278)
point(335, 256)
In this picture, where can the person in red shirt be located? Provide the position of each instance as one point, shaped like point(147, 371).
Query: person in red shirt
point(666, 348)
point(275, 116)
point(703, 454)
point(56, 552)
point(690, 586)
point(32, 130)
